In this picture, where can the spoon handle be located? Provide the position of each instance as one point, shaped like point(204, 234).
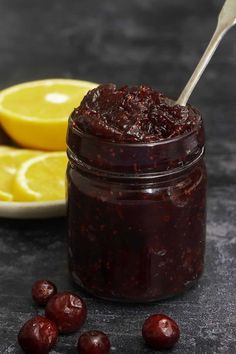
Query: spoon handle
point(225, 21)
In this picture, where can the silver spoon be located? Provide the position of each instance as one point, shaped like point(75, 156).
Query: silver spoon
point(226, 20)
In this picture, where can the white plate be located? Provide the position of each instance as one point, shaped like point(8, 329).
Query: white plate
point(32, 210)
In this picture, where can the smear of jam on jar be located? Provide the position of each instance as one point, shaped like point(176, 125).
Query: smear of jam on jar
point(136, 114)
point(136, 194)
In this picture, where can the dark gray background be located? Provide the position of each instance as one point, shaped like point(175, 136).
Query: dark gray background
point(157, 42)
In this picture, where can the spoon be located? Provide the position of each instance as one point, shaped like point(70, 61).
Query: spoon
point(226, 20)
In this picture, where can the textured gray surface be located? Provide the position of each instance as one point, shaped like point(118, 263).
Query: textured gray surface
point(155, 42)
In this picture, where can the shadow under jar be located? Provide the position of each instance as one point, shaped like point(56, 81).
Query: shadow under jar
point(136, 215)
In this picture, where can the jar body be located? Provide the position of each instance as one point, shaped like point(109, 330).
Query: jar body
point(136, 239)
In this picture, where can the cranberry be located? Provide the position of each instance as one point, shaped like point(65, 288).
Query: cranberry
point(93, 342)
point(38, 335)
point(67, 310)
point(160, 332)
point(42, 291)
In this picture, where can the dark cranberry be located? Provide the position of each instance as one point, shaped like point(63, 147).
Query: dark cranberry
point(93, 342)
point(38, 335)
point(42, 291)
point(67, 310)
point(160, 332)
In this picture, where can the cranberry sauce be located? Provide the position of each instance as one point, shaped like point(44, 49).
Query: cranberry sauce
point(136, 201)
point(133, 114)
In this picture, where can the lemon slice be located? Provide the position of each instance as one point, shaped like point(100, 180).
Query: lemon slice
point(5, 148)
point(42, 178)
point(5, 197)
point(35, 114)
point(10, 160)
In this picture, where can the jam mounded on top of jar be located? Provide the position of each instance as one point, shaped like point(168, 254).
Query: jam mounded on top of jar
point(136, 194)
point(136, 114)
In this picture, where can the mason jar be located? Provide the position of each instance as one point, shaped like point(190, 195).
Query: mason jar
point(136, 215)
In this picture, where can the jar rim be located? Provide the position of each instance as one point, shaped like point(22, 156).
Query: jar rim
point(136, 144)
point(135, 157)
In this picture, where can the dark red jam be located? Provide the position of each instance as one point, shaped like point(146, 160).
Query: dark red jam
point(136, 195)
point(136, 114)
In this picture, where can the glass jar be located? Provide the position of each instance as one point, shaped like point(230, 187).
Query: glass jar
point(136, 215)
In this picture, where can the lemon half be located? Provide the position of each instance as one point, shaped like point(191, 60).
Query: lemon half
point(35, 114)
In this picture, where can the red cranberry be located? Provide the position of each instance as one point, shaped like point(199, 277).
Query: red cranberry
point(93, 342)
point(42, 291)
point(38, 335)
point(160, 332)
point(67, 310)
